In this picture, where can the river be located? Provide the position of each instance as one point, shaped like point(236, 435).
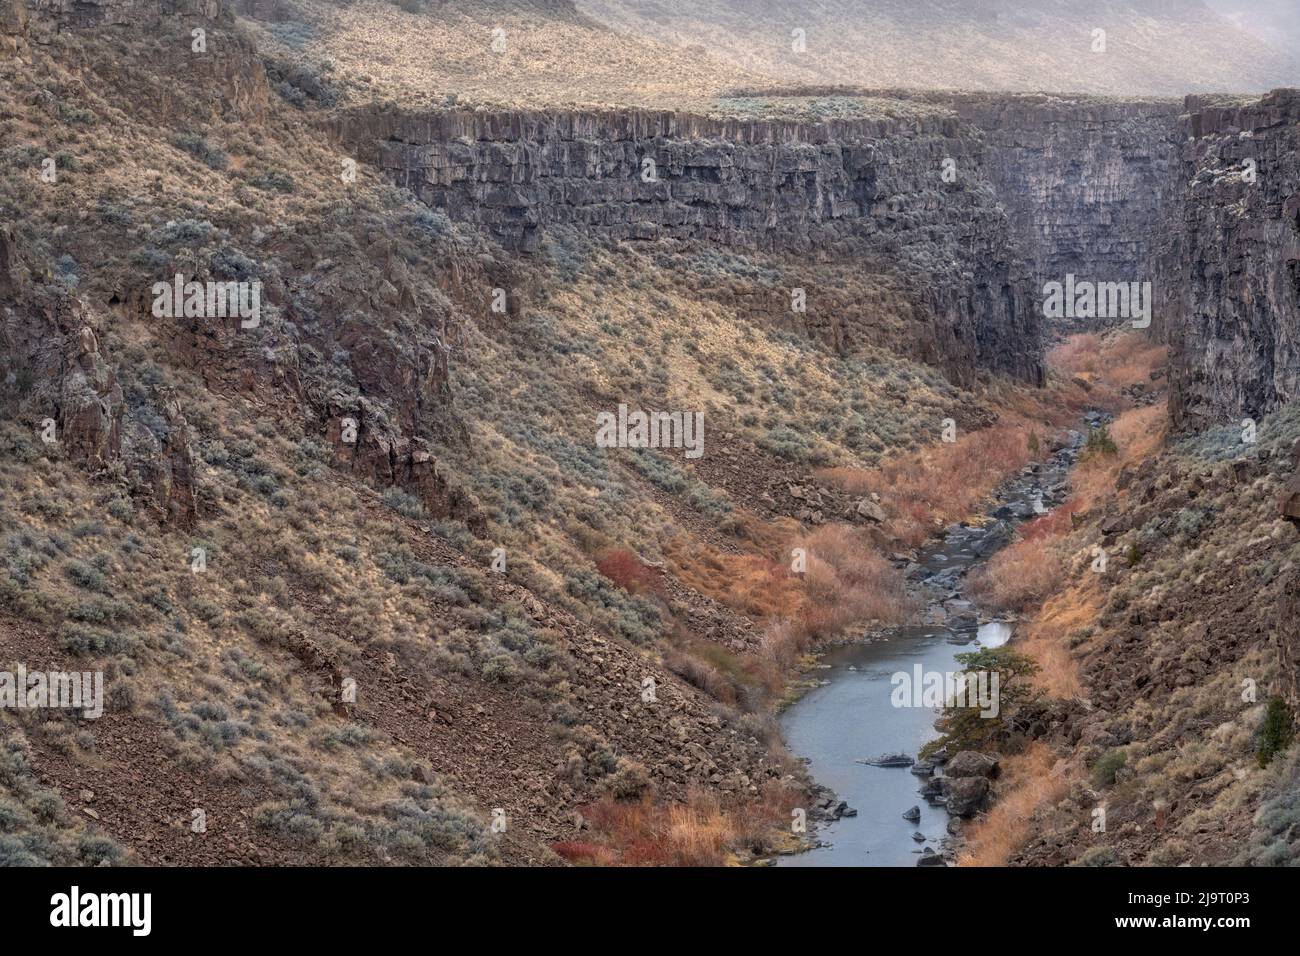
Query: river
point(849, 716)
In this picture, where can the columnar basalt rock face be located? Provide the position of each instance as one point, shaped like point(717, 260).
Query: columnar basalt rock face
point(1110, 191)
point(868, 190)
point(1235, 347)
point(1086, 181)
point(649, 175)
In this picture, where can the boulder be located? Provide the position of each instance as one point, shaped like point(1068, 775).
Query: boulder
point(1288, 500)
point(887, 760)
point(868, 510)
point(1114, 524)
point(967, 795)
point(971, 763)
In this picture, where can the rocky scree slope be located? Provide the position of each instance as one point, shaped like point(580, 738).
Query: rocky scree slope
point(1194, 638)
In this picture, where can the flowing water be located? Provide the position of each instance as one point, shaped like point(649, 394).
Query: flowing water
point(849, 716)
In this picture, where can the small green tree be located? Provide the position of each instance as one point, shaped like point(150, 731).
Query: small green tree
point(967, 728)
point(1100, 443)
point(1107, 766)
point(1276, 733)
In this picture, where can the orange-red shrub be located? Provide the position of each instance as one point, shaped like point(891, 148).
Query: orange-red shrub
point(582, 852)
point(628, 571)
point(848, 582)
point(702, 831)
point(941, 483)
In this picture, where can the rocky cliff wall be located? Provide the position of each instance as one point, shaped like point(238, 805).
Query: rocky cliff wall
point(1232, 261)
point(1086, 181)
point(868, 190)
point(1040, 187)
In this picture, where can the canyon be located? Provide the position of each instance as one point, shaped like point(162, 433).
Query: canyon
point(392, 480)
point(1114, 191)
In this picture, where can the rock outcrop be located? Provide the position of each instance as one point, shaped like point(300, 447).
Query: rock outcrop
point(1086, 181)
point(1235, 264)
point(124, 12)
point(366, 444)
point(52, 363)
point(49, 351)
point(870, 190)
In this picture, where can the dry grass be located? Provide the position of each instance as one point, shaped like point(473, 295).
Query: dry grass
point(1020, 575)
point(847, 582)
point(1107, 365)
point(757, 587)
point(1077, 355)
point(1029, 783)
point(1045, 639)
point(878, 45)
point(942, 483)
point(547, 60)
point(585, 853)
point(783, 642)
point(1119, 359)
point(702, 831)
point(1138, 434)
